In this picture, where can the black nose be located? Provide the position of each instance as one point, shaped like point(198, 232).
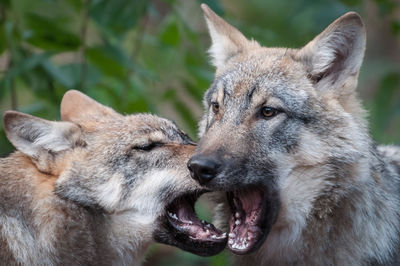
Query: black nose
point(203, 168)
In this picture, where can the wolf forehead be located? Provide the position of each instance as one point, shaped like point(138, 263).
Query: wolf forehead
point(152, 127)
point(268, 77)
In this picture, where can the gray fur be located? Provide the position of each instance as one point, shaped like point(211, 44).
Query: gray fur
point(338, 193)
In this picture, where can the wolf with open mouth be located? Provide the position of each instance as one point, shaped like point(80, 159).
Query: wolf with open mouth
point(285, 139)
point(97, 188)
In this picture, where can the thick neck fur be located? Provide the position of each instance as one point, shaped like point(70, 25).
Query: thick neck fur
point(39, 228)
point(353, 220)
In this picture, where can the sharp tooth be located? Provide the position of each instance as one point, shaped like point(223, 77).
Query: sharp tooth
point(230, 242)
point(237, 215)
point(232, 235)
point(207, 231)
point(203, 222)
point(237, 222)
point(173, 215)
point(218, 237)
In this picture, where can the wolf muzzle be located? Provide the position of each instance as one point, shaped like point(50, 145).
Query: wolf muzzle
point(204, 168)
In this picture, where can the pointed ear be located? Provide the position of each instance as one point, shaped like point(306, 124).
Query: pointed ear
point(336, 54)
point(36, 137)
point(79, 108)
point(227, 41)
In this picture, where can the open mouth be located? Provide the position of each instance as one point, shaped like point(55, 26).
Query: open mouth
point(186, 231)
point(250, 221)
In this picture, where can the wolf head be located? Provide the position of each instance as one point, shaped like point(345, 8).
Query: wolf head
point(276, 120)
point(131, 168)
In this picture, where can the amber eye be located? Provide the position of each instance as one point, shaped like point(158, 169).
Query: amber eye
point(215, 107)
point(269, 112)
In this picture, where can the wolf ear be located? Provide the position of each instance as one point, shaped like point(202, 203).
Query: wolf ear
point(38, 138)
point(337, 53)
point(227, 41)
point(79, 108)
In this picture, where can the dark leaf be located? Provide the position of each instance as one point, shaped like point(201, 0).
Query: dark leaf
point(117, 16)
point(50, 34)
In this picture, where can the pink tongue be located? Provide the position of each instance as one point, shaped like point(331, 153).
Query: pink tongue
point(185, 212)
point(196, 229)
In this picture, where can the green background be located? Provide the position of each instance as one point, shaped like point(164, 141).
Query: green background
point(150, 56)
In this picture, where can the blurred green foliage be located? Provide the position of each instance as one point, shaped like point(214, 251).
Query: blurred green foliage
point(150, 56)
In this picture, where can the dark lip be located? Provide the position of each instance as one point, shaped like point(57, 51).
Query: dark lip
point(172, 232)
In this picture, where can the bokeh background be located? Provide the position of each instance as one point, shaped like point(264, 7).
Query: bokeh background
point(150, 56)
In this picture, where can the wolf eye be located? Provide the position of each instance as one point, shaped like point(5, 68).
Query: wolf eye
point(215, 107)
point(269, 112)
point(147, 147)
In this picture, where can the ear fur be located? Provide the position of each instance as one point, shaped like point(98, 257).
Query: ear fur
point(31, 135)
point(79, 108)
point(40, 139)
point(227, 41)
point(337, 53)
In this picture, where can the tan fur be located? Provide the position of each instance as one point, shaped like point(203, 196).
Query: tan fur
point(91, 202)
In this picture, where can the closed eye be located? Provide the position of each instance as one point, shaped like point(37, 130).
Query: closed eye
point(148, 146)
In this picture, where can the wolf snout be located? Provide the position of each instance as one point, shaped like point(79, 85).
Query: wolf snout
point(203, 168)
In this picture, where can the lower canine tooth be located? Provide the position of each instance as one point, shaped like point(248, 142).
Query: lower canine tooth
point(237, 222)
point(230, 241)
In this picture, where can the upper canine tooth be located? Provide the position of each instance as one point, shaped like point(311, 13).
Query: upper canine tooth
point(173, 215)
point(231, 235)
